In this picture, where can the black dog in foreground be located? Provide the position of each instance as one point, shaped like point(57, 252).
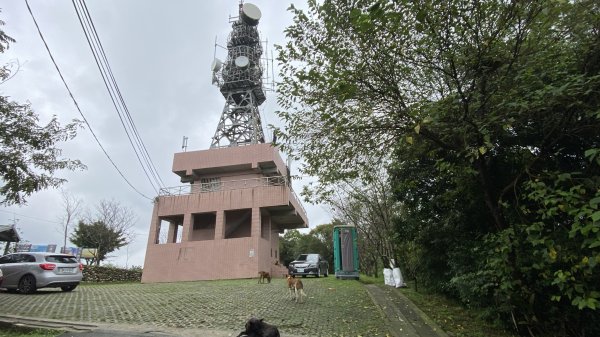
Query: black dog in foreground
point(257, 328)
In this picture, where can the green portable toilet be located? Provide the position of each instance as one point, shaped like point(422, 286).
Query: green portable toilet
point(345, 252)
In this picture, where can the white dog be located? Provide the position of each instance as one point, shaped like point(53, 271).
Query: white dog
point(296, 288)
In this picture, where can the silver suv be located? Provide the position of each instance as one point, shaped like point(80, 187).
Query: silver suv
point(27, 272)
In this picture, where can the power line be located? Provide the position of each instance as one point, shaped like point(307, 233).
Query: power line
point(114, 92)
point(76, 104)
point(113, 89)
point(30, 217)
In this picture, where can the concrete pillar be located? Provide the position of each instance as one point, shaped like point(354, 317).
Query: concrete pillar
point(154, 226)
point(265, 230)
point(275, 243)
point(172, 234)
point(188, 227)
point(220, 225)
point(255, 223)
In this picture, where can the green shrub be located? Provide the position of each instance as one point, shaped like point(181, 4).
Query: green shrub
point(111, 274)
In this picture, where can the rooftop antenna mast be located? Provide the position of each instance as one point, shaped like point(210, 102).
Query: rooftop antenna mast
point(240, 81)
point(184, 144)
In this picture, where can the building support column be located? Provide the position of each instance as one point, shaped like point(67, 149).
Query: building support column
point(154, 226)
point(172, 234)
point(187, 228)
point(220, 225)
point(255, 223)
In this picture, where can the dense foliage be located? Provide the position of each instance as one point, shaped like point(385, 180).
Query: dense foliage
point(487, 115)
point(318, 241)
point(28, 151)
point(99, 236)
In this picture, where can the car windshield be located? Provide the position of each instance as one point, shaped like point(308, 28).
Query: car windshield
point(61, 259)
point(308, 257)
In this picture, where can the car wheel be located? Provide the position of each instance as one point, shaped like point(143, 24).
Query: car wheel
point(68, 288)
point(27, 285)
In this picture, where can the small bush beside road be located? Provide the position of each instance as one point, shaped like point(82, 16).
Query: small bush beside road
point(111, 274)
point(12, 331)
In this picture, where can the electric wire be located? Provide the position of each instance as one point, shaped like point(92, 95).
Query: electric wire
point(137, 137)
point(30, 217)
point(111, 94)
point(125, 118)
point(77, 104)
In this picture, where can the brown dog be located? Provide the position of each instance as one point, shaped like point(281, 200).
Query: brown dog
point(296, 287)
point(257, 328)
point(263, 275)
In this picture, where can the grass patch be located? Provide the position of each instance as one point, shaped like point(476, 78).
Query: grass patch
point(364, 279)
point(13, 331)
point(452, 317)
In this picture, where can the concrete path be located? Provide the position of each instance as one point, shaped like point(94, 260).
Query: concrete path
point(404, 318)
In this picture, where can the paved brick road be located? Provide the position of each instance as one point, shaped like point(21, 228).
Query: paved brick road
point(333, 307)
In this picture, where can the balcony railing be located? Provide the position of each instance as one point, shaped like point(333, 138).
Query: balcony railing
point(229, 185)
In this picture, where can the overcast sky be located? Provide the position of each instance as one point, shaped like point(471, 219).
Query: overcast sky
point(160, 53)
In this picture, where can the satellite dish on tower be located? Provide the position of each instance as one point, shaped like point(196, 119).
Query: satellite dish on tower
point(216, 65)
point(242, 61)
point(250, 14)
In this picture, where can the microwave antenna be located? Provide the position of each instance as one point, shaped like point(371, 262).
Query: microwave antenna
point(239, 79)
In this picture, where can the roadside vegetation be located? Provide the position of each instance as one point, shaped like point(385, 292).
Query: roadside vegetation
point(450, 315)
point(453, 317)
point(11, 331)
point(111, 274)
point(461, 139)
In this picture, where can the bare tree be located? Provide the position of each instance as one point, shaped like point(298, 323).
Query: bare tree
point(72, 207)
point(107, 229)
point(372, 209)
point(116, 216)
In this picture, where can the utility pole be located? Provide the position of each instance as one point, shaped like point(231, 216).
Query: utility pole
point(14, 227)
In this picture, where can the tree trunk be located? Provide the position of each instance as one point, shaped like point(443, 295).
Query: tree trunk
point(489, 195)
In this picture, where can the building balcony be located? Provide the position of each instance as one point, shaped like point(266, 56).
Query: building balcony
point(273, 194)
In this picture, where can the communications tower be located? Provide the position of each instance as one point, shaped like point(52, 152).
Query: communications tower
point(225, 222)
point(240, 81)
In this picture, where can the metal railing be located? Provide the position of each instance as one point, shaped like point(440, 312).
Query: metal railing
point(230, 185)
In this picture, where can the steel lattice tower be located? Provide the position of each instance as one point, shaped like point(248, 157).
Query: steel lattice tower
point(240, 81)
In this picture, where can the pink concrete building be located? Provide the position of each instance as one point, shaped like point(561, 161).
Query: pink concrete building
point(226, 222)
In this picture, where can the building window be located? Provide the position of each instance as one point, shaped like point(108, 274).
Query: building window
point(210, 184)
